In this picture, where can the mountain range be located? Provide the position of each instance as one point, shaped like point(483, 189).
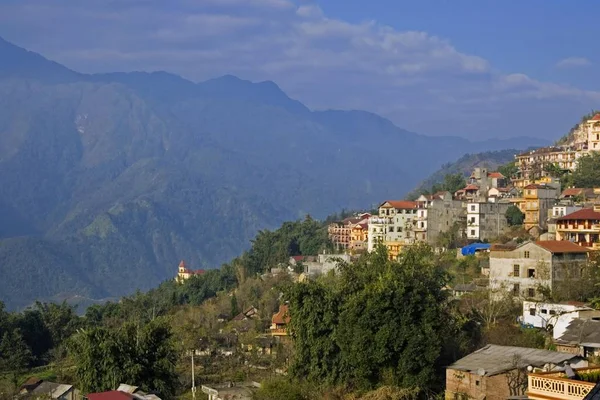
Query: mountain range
point(108, 180)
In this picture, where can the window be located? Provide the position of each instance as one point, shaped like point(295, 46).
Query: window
point(472, 220)
point(552, 312)
point(516, 270)
point(526, 255)
point(472, 208)
point(544, 311)
point(531, 273)
point(477, 383)
point(516, 289)
point(532, 311)
point(399, 229)
point(472, 232)
point(531, 292)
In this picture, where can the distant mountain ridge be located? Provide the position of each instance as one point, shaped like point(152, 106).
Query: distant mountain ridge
point(108, 180)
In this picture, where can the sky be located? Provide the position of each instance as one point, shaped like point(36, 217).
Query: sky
point(477, 69)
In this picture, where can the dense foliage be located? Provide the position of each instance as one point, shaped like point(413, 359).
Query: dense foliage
point(514, 216)
point(381, 321)
point(587, 173)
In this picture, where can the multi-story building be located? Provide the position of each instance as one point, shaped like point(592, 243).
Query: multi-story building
point(593, 133)
point(340, 233)
point(486, 220)
point(393, 224)
point(537, 200)
point(440, 216)
point(184, 273)
point(359, 237)
point(523, 269)
point(532, 164)
point(581, 227)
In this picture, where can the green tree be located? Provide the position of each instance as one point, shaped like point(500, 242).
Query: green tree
point(235, 309)
point(379, 320)
point(142, 354)
point(514, 216)
point(15, 355)
point(279, 389)
point(587, 173)
point(509, 170)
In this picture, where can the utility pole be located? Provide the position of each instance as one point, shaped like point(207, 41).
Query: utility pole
point(193, 380)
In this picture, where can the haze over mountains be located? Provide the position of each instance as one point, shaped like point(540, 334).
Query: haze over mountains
point(109, 180)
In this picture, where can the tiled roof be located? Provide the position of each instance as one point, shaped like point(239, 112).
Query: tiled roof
point(110, 395)
point(493, 359)
point(571, 192)
point(401, 204)
point(596, 117)
point(471, 187)
point(281, 317)
point(495, 175)
point(561, 246)
point(583, 214)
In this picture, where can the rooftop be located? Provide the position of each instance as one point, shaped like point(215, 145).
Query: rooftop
point(281, 317)
point(583, 214)
point(494, 359)
point(401, 204)
point(561, 246)
point(110, 395)
point(582, 331)
point(53, 389)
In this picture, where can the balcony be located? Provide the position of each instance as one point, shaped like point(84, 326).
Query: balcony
point(554, 385)
point(277, 332)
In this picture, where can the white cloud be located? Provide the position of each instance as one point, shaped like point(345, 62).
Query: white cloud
point(572, 62)
point(419, 80)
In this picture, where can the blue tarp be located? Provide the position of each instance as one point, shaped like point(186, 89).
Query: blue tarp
point(473, 248)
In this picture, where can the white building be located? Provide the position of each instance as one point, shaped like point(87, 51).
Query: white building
point(395, 223)
point(561, 210)
point(556, 316)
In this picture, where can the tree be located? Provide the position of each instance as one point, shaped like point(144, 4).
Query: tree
point(15, 355)
point(587, 173)
point(350, 329)
point(509, 170)
point(514, 216)
point(142, 354)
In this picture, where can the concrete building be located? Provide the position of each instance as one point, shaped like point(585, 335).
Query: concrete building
point(562, 385)
point(340, 233)
point(499, 372)
point(522, 269)
point(439, 215)
point(592, 126)
point(581, 227)
point(581, 336)
point(532, 164)
point(486, 220)
point(537, 200)
point(555, 316)
point(394, 223)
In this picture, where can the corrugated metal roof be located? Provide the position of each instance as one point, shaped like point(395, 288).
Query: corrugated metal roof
point(494, 359)
point(581, 331)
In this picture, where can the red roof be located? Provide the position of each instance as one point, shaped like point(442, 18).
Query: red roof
point(495, 175)
point(584, 214)
point(182, 264)
point(572, 192)
point(561, 246)
point(110, 395)
point(298, 258)
point(596, 117)
point(281, 317)
point(471, 187)
point(401, 204)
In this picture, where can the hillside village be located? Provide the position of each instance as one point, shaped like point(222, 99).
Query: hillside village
point(501, 272)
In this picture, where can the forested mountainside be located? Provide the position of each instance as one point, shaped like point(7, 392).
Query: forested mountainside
point(109, 180)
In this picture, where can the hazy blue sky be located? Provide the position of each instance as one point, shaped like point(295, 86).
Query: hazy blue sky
point(472, 68)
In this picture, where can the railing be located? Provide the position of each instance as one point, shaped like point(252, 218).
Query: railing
point(278, 332)
point(553, 386)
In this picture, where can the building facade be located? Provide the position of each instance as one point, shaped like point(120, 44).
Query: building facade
point(394, 223)
point(523, 269)
point(486, 220)
point(536, 201)
point(581, 227)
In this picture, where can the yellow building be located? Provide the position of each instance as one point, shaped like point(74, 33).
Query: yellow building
point(537, 200)
point(359, 236)
point(532, 164)
point(394, 249)
point(184, 273)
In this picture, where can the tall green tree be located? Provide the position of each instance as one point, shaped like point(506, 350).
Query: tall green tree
point(379, 321)
point(15, 355)
point(587, 173)
point(142, 355)
point(514, 216)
